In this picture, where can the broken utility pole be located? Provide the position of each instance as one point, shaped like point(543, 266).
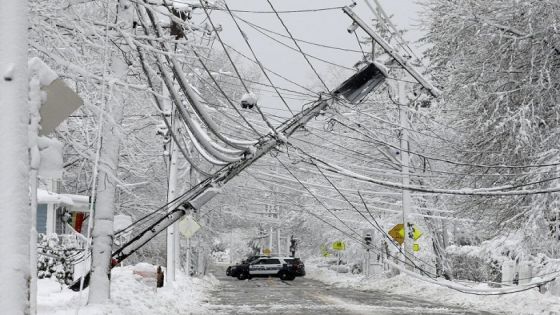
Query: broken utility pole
point(353, 90)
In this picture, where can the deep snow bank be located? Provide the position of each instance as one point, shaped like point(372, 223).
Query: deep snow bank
point(129, 295)
point(528, 302)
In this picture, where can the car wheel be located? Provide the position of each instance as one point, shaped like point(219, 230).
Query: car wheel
point(284, 276)
point(242, 275)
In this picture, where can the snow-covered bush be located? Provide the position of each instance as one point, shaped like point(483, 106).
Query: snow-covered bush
point(56, 256)
point(474, 268)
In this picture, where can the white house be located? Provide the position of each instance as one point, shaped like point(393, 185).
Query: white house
point(55, 210)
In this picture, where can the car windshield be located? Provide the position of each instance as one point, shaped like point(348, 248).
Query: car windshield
point(252, 259)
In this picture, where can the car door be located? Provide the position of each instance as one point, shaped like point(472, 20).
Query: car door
point(257, 267)
point(273, 266)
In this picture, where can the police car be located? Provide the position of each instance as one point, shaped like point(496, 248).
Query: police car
point(283, 267)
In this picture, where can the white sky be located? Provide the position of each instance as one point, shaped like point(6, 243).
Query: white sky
point(325, 27)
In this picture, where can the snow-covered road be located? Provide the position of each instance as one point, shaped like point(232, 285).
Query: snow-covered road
point(306, 296)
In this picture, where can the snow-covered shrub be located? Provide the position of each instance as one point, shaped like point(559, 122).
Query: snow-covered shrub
point(472, 263)
point(219, 247)
point(56, 256)
point(467, 267)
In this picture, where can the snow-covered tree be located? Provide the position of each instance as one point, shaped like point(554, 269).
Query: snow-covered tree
point(499, 65)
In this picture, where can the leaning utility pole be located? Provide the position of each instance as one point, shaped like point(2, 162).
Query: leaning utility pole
point(15, 223)
point(353, 90)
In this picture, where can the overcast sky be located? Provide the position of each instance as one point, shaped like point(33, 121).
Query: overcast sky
point(324, 27)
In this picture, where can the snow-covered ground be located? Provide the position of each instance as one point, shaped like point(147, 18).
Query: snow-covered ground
point(528, 302)
point(129, 295)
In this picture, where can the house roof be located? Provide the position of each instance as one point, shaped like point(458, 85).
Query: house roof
point(74, 202)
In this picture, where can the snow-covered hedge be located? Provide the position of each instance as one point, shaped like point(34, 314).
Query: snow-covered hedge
point(56, 256)
point(467, 265)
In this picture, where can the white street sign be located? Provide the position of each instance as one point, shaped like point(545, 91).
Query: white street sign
point(188, 227)
point(61, 102)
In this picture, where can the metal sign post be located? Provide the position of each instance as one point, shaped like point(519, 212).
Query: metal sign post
point(339, 246)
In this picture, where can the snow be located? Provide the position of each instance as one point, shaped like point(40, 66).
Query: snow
point(144, 267)
point(121, 221)
point(51, 165)
point(249, 98)
point(80, 202)
point(225, 72)
point(203, 152)
point(129, 295)
point(193, 97)
point(198, 135)
point(9, 71)
point(200, 200)
point(76, 202)
point(14, 163)
point(282, 137)
point(44, 196)
point(527, 302)
point(380, 64)
point(462, 191)
point(183, 5)
point(45, 74)
point(214, 144)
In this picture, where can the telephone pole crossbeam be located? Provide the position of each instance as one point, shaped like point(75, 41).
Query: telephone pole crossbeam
point(393, 53)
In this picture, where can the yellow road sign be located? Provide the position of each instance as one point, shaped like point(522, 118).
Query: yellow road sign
point(416, 233)
point(339, 245)
point(324, 250)
point(267, 251)
point(397, 233)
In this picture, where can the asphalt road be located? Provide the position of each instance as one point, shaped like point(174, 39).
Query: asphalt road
point(310, 297)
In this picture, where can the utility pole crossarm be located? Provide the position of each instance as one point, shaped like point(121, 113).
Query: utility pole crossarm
point(393, 52)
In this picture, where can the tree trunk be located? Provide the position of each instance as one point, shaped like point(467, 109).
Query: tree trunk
point(103, 216)
point(14, 164)
point(102, 232)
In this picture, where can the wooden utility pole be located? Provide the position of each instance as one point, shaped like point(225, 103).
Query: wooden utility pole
point(405, 164)
point(172, 230)
point(15, 223)
point(270, 239)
